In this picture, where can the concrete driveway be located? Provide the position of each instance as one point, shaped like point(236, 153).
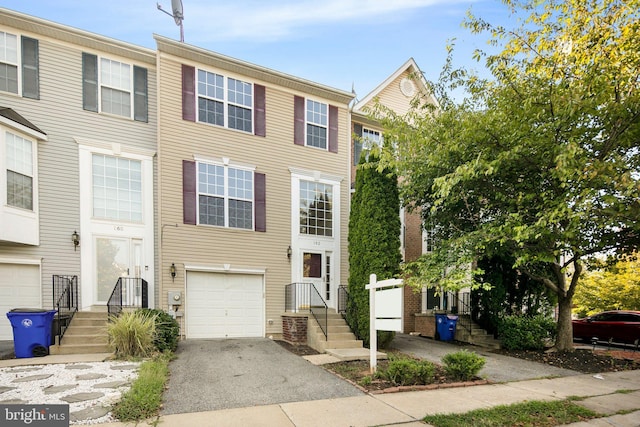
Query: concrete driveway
point(210, 375)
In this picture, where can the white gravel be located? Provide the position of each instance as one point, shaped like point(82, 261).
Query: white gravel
point(32, 392)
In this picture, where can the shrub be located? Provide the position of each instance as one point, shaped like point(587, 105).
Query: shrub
point(463, 365)
point(526, 333)
point(404, 371)
point(131, 334)
point(167, 329)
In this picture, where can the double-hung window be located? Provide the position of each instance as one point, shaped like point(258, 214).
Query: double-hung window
point(365, 139)
point(224, 101)
point(8, 62)
point(317, 123)
point(19, 65)
point(225, 196)
point(114, 87)
point(316, 208)
point(20, 170)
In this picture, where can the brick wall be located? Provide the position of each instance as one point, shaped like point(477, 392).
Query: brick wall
point(412, 250)
point(294, 329)
point(412, 306)
point(425, 324)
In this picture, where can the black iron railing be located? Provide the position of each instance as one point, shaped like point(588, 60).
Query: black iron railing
point(460, 304)
point(65, 301)
point(304, 297)
point(343, 299)
point(320, 311)
point(129, 292)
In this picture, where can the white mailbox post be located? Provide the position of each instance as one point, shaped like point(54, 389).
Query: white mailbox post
point(385, 312)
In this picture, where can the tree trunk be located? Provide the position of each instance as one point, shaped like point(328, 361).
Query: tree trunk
point(564, 341)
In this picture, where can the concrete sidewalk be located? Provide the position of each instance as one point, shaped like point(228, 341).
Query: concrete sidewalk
point(607, 393)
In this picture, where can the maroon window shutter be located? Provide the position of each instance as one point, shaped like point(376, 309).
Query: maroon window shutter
point(333, 129)
point(189, 194)
point(298, 115)
point(260, 191)
point(188, 93)
point(259, 110)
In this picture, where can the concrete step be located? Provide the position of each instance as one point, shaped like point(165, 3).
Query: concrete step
point(84, 321)
point(342, 327)
point(322, 346)
point(85, 339)
point(91, 315)
point(79, 348)
point(486, 341)
point(86, 330)
point(344, 336)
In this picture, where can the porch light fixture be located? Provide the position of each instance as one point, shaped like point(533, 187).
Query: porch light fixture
point(289, 252)
point(172, 270)
point(75, 238)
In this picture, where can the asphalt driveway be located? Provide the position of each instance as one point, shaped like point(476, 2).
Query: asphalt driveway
point(209, 375)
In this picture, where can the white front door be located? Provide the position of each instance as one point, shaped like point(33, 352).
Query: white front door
point(118, 257)
point(317, 269)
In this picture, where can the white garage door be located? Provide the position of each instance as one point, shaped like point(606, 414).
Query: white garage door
point(220, 305)
point(19, 288)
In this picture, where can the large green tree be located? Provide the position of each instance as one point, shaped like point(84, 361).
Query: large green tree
point(542, 160)
point(374, 241)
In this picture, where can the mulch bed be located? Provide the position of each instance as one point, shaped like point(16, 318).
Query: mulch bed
point(582, 360)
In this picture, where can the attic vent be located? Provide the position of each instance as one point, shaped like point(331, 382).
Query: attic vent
point(407, 87)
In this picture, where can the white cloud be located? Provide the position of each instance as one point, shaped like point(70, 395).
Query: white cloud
point(277, 19)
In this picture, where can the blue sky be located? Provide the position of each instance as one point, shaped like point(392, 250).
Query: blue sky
point(334, 42)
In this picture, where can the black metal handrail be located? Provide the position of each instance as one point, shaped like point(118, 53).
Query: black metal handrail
point(320, 311)
point(129, 292)
point(343, 299)
point(65, 301)
point(304, 297)
point(462, 308)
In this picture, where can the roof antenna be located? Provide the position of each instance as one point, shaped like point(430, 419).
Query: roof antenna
point(177, 15)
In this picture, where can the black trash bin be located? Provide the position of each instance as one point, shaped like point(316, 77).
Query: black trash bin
point(31, 331)
point(446, 326)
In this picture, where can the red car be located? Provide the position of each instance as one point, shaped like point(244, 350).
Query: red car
point(619, 326)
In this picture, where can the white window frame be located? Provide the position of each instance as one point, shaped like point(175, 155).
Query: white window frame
point(17, 63)
point(117, 189)
point(318, 124)
point(30, 174)
point(226, 103)
point(19, 224)
point(101, 84)
point(226, 165)
point(369, 138)
point(333, 219)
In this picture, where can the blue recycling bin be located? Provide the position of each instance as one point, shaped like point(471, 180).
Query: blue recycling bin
point(446, 326)
point(31, 331)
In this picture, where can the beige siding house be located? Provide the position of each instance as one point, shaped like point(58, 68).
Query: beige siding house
point(253, 181)
point(396, 93)
point(77, 158)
